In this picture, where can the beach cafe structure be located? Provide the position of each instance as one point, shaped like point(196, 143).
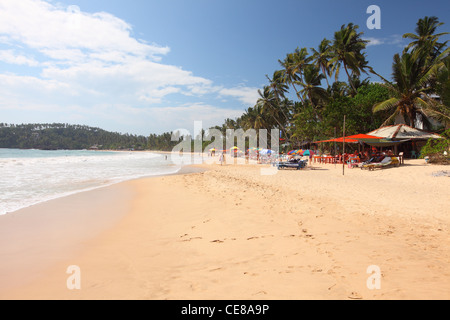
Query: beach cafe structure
point(399, 138)
point(402, 138)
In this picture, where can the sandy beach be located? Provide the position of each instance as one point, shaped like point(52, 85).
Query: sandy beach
point(231, 233)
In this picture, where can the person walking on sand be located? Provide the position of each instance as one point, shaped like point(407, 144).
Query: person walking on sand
point(221, 158)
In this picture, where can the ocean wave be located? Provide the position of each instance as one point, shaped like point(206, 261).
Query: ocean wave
point(31, 179)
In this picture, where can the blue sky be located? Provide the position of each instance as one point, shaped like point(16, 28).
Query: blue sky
point(150, 66)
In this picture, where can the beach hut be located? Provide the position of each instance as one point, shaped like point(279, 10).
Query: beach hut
point(403, 138)
point(403, 132)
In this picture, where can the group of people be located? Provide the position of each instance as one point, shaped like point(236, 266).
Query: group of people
point(369, 155)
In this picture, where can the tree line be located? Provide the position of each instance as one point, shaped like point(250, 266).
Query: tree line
point(61, 136)
point(296, 101)
point(64, 136)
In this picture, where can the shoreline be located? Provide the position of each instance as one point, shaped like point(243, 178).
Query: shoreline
point(33, 227)
point(226, 232)
point(180, 170)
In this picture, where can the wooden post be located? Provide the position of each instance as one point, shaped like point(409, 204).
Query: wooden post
point(335, 149)
point(343, 150)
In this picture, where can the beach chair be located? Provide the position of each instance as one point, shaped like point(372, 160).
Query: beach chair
point(292, 165)
point(386, 162)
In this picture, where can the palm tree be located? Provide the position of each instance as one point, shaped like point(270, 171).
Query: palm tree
point(347, 50)
point(338, 89)
point(322, 58)
point(290, 72)
point(358, 83)
point(410, 94)
point(426, 39)
point(311, 85)
point(278, 88)
point(419, 74)
point(301, 59)
point(272, 106)
point(277, 84)
point(254, 118)
point(440, 109)
point(443, 82)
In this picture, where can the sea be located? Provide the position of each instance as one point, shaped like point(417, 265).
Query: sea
point(29, 177)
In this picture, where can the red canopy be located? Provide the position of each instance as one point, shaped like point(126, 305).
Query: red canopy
point(362, 136)
point(339, 140)
point(351, 139)
point(348, 140)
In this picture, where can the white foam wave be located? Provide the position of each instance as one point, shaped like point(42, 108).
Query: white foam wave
point(31, 180)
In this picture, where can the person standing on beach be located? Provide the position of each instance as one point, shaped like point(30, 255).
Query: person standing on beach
point(221, 159)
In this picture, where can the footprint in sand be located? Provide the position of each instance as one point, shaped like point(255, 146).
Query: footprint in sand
point(190, 239)
point(217, 241)
point(355, 296)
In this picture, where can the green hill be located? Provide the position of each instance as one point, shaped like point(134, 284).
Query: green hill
point(64, 136)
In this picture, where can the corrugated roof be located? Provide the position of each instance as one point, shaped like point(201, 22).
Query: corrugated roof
point(403, 131)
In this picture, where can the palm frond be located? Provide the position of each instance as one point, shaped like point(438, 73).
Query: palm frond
point(391, 119)
point(410, 36)
point(386, 105)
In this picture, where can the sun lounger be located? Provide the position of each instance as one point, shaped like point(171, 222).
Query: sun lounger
point(386, 162)
point(293, 165)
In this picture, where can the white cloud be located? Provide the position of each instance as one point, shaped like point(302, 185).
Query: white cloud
point(88, 60)
point(246, 95)
point(41, 25)
point(394, 39)
point(374, 41)
point(18, 84)
point(87, 49)
point(9, 56)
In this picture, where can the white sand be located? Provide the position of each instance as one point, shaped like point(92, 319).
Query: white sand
point(231, 233)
